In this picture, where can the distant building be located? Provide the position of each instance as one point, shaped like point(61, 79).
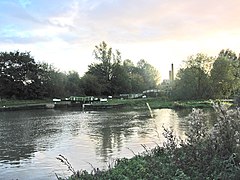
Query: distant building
point(171, 73)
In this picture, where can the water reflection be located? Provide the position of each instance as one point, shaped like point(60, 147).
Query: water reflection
point(132, 130)
point(21, 133)
point(30, 140)
point(110, 131)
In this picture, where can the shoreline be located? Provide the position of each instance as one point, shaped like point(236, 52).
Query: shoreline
point(154, 103)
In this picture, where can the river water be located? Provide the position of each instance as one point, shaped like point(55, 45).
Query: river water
point(31, 140)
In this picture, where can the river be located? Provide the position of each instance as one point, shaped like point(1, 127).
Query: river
point(31, 140)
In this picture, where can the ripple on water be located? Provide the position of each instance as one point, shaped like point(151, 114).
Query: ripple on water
point(31, 140)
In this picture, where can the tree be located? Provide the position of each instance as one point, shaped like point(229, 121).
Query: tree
point(73, 84)
point(105, 56)
point(150, 74)
point(137, 82)
point(192, 82)
point(120, 82)
point(129, 66)
point(109, 72)
point(200, 61)
point(131, 71)
point(19, 76)
point(53, 81)
point(115, 76)
point(103, 70)
point(225, 74)
point(58, 84)
point(91, 85)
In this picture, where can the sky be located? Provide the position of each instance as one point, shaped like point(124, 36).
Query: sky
point(64, 33)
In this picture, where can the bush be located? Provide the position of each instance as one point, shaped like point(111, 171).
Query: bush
point(211, 153)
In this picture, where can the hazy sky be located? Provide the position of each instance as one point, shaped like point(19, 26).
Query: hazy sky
point(64, 32)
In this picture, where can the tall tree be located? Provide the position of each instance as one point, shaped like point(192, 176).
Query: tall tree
point(105, 56)
point(192, 82)
point(225, 77)
point(108, 72)
point(103, 69)
point(115, 76)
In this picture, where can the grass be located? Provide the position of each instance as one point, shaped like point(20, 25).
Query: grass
point(156, 103)
point(10, 103)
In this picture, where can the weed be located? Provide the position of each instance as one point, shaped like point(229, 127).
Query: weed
point(64, 160)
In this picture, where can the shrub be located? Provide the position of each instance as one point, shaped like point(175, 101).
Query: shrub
point(211, 153)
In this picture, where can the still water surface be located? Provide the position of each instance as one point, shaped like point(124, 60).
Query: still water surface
point(31, 140)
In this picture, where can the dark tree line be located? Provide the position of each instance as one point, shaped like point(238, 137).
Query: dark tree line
point(202, 77)
point(22, 77)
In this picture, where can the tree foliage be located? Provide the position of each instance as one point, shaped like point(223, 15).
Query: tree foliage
point(149, 73)
point(192, 82)
point(115, 76)
point(225, 77)
point(73, 84)
point(206, 77)
point(91, 85)
point(19, 76)
point(202, 77)
point(23, 78)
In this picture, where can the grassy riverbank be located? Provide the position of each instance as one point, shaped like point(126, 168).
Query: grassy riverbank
point(154, 103)
point(205, 154)
point(12, 103)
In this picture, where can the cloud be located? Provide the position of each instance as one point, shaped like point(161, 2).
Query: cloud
point(122, 20)
point(149, 29)
point(20, 37)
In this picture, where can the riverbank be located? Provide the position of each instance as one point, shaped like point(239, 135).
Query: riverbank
point(155, 103)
